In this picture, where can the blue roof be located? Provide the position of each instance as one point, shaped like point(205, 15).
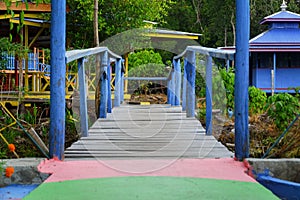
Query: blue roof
point(282, 16)
point(278, 36)
point(283, 34)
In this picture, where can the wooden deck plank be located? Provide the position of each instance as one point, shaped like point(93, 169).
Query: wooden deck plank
point(155, 131)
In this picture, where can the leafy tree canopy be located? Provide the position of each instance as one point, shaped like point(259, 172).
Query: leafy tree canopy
point(115, 16)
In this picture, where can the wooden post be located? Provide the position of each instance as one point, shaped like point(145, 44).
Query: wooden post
point(126, 72)
point(242, 79)
point(103, 89)
point(274, 74)
point(190, 89)
point(26, 60)
point(177, 69)
point(83, 99)
point(117, 100)
point(109, 101)
point(184, 86)
point(58, 79)
point(209, 94)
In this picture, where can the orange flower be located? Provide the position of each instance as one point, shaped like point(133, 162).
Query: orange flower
point(9, 171)
point(11, 147)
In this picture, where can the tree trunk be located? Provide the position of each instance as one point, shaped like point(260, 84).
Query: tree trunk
point(233, 27)
point(96, 44)
point(96, 34)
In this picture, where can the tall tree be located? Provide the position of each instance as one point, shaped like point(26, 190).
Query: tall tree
point(95, 24)
point(182, 16)
point(115, 16)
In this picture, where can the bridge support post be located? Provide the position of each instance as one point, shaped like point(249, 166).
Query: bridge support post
point(83, 98)
point(242, 79)
point(171, 88)
point(109, 101)
point(208, 95)
point(103, 80)
point(190, 88)
point(117, 100)
point(58, 79)
point(184, 86)
point(177, 69)
point(122, 86)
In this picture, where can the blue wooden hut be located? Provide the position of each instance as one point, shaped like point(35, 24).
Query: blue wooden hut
point(274, 54)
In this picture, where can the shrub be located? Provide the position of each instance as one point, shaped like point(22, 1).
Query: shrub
point(257, 100)
point(282, 108)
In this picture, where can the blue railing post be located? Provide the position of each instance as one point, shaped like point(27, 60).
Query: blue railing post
point(172, 92)
point(104, 87)
point(190, 89)
point(177, 69)
point(58, 79)
point(169, 92)
point(83, 100)
point(184, 86)
point(227, 65)
point(171, 88)
point(109, 101)
point(122, 86)
point(208, 98)
point(242, 79)
point(118, 68)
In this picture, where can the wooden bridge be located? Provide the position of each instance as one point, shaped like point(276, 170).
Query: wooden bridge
point(146, 131)
point(126, 134)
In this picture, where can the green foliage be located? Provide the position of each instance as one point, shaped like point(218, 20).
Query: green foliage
point(228, 81)
point(182, 16)
point(115, 16)
point(199, 85)
point(144, 57)
point(9, 47)
point(217, 19)
point(282, 108)
point(145, 63)
point(219, 88)
point(2, 163)
point(120, 16)
point(31, 116)
point(297, 92)
point(257, 100)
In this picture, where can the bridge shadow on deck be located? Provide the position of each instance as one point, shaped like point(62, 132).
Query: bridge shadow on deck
point(146, 131)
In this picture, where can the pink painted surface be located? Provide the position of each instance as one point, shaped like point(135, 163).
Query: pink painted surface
point(226, 169)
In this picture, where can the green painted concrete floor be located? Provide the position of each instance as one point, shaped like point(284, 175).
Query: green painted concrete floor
point(150, 188)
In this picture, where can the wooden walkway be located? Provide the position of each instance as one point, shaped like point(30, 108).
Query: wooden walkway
point(146, 131)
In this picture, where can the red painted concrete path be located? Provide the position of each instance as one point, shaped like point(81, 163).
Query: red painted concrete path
point(225, 169)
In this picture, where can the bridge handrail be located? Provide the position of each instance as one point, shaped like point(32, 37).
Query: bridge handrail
point(77, 54)
point(105, 104)
point(188, 99)
point(217, 53)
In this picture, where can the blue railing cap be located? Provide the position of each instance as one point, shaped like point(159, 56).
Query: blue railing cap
point(81, 53)
point(217, 53)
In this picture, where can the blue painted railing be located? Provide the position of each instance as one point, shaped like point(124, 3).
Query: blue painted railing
point(188, 89)
point(33, 61)
point(106, 100)
point(188, 94)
